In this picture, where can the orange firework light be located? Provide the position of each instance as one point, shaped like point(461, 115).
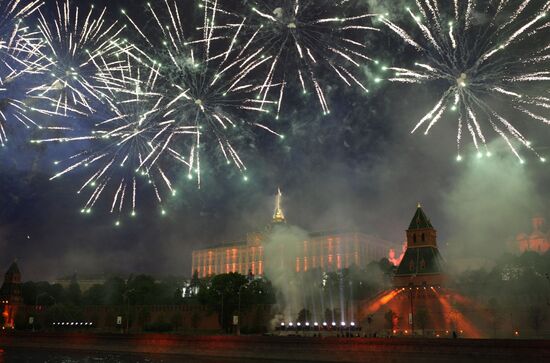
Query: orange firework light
point(382, 300)
point(431, 309)
point(460, 321)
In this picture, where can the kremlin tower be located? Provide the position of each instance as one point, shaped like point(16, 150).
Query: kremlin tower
point(10, 295)
point(422, 264)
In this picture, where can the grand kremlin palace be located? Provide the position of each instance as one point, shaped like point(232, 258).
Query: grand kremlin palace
point(328, 251)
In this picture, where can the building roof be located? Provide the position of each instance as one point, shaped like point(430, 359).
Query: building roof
point(420, 220)
point(420, 261)
point(222, 245)
point(13, 269)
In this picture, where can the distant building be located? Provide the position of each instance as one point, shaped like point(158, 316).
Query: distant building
point(422, 265)
point(538, 240)
point(328, 251)
point(10, 295)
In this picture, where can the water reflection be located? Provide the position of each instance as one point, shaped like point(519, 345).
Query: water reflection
point(47, 356)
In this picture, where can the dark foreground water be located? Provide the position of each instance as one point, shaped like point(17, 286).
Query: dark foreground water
point(49, 356)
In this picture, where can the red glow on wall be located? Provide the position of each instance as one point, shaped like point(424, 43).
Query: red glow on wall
point(8, 314)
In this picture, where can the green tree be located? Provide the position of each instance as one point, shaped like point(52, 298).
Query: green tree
point(258, 292)
point(95, 295)
point(21, 321)
point(29, 292)
point(142, 290)
point(114, 288)
point(222, 296)
point(168, 291)
point(73, 294)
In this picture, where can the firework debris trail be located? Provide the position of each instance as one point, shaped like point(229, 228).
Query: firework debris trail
point(480, 64)
point(301, 40)
point(15, 49)
point(141, 109)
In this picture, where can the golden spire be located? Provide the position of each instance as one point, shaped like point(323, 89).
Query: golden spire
point(278, 215)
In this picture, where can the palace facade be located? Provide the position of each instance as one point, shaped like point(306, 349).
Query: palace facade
point(328, 251)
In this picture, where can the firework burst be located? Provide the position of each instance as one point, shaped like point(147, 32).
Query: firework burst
point(302, 39)
point(489, 65)
point(15, 50)
point(76, 46)
point(120, 155)
point(207, 91)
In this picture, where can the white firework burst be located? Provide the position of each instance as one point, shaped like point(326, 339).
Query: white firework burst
point(206, 90)
point(303, 40)
point(75, 43)
point(492, 56)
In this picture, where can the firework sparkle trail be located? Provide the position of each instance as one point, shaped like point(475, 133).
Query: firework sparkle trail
point(502, 60)
point(121, 153)
point(14, 51)
point(301, 39)
point(74, 43)
point(207, 90)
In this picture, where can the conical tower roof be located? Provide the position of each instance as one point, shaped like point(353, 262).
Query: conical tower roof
point(420, 220)
point(13, 269)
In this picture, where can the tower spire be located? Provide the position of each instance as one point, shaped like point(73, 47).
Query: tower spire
point(278, 215)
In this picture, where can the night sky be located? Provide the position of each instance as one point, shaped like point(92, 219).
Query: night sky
point(357, 168)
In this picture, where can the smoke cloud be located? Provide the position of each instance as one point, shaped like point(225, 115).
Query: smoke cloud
point(280, 251)
point(489, 204)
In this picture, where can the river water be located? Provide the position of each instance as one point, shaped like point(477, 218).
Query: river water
point(48, 356)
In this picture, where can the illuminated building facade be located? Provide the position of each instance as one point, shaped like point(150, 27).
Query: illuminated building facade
point(328, 251)
point(421, 264)
point(537, 240)
point(10, 295)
